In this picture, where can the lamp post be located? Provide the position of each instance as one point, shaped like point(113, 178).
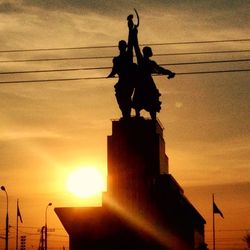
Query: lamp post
point(46, 228)
point(7, 219)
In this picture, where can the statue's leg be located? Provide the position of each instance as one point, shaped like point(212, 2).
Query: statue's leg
point(137, 112)
point(153, 115)
point(124, 102)
point(127, 110)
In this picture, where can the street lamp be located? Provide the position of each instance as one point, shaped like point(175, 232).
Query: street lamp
point(7, 219)
point(46, 228)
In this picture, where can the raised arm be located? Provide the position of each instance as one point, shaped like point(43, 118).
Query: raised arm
point(130, 44)
point(138, 53)
point(131, 27)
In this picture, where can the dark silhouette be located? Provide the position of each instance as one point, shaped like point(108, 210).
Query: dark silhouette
point(146, 95)
point(246, 238)
point(124, 67)
point(136, 77)
point(202, 246)
point(144, 208)
point(131, 24)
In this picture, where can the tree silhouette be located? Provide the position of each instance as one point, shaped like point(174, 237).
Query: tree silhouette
point(202, 246)
point(246, 238)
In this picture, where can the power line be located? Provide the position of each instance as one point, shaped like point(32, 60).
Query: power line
point(54, 80)
point(108, 67)
point(110, 57)
point(113, 46)
point(53, 70)
point(103, 77)
point(213, 72)
point(196, 42)
point(206, 62)
point(56, 59)
point(229, 230)
point(202, 52)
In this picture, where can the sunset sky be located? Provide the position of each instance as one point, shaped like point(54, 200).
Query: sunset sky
point(48, 129)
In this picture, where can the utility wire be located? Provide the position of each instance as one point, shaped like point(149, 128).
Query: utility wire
point(110, 57)
point(202, 52)
point(56, 59)
point(213, 72)
point(108, 67)
point(229, 230)
point(103, 77)
point(53, 70)
point(113, 46)
point(207, 62)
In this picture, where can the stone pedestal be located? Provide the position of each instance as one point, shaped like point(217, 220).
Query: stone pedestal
point(144, 207)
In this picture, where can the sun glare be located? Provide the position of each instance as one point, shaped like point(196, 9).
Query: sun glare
point(85, 182)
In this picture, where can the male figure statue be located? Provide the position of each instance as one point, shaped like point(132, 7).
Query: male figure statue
point(124, 67)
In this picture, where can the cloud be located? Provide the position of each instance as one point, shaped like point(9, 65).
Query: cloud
point(82, 22)
point(228, 13)
point(21, 134)
point(212, 111)
point(178, 104)
point(102, 7)
point(8, 7)
point(37, 27)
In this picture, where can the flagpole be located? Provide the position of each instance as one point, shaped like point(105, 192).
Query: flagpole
point(213, 223)
point(17, 226)
point(7, 219)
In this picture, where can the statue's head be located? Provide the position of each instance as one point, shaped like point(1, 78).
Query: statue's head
point(130, 17)
point(147, 51)
point(122, 45)
point(130, 22)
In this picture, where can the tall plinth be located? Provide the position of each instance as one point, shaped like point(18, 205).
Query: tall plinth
point(144, 207)
point(136, 157)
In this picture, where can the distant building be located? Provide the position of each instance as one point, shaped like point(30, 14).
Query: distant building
point(144, 207)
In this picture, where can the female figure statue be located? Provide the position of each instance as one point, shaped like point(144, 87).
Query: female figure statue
point(146, 95)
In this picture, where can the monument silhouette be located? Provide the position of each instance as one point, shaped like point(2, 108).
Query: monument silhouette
point(146, 95)
point(144, 206)
point(126, 70)
point(135, 87)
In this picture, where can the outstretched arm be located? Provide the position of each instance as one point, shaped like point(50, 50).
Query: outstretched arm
point(162, 71)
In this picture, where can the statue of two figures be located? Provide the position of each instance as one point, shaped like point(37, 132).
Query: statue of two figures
point(136, 88)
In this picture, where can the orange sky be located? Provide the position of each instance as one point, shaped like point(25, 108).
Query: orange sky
point(48, 129)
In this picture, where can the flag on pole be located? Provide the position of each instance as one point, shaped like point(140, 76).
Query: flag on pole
point(18, 212)
point(216, 210)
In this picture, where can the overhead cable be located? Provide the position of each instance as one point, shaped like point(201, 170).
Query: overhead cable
point(103, 77)
point(108, 67)
point(114, 46)
point(110, 57)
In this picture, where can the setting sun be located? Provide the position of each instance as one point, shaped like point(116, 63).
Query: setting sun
point(85, 182)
